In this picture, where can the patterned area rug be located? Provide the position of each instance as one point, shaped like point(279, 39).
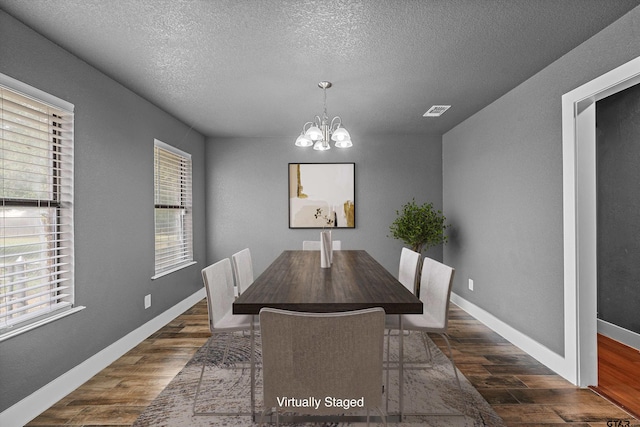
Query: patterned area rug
point(430, 389)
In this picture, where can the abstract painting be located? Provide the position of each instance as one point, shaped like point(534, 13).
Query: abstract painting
point(322, 195)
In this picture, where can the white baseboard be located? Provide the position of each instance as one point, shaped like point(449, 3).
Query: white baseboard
point(617, 333)
point(39, 401)
point(536, 350)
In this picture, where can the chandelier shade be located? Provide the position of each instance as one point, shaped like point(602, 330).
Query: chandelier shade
point(314, 133)
point(303, 141)
point(321, 130)
point(340, 134)
point(321, 146)
point(344, 144)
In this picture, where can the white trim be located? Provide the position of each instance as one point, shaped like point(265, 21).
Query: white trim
point(536, 350)
point(174, 269)
point(171, 148)
point(180, 253)
point(39, 401)
point(12, 332)
point(60, 296)
point(615, 332)
point(579, 205)
point(32, 92)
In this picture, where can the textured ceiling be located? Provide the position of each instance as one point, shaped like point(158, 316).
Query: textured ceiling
point(251, 67)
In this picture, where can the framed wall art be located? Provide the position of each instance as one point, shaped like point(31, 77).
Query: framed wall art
point(322, 195)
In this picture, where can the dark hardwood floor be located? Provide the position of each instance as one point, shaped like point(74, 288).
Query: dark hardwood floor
point(520, 389)
point(619, 373)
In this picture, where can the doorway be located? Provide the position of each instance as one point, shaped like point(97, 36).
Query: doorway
point(580, 218)
point(618, 247)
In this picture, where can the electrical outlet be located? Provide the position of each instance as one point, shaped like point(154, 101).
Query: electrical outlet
point(470, 284)
point(147, 301)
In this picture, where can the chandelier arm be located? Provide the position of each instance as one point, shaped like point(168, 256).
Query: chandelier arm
point(337, 121)
point(305, 126)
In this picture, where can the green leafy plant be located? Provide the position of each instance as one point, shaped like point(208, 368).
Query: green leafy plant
point(420, 227)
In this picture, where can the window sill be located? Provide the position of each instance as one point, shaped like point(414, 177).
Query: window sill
point(12, 332)
point(173, 270)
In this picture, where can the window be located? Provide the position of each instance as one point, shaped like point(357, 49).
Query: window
point(173, 221)
point(36, 215)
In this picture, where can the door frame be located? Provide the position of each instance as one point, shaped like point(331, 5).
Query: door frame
point(579, 219)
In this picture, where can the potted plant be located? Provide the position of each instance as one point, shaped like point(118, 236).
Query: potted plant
point(420, 227)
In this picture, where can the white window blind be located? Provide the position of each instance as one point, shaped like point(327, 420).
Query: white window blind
point(36, 215)
point(173, 218)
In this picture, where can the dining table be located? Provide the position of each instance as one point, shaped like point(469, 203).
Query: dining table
point(355, 280)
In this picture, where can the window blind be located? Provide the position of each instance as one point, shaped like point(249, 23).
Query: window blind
point(36, 214)
point(173, 218)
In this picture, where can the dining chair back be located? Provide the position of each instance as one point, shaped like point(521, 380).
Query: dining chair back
point(408, 270)
point(242, 266)
point(322, 354)
point(314, 245)
point(218, 283)
point(436, 282)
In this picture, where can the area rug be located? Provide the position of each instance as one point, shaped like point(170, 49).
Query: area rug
point(428, 388)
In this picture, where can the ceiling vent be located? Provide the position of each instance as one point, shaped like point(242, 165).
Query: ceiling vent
point(436, 110)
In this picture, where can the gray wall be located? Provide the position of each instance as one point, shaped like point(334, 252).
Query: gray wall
point(502, 190)
point(618, 157)
point(114, 232)
point(247, 193)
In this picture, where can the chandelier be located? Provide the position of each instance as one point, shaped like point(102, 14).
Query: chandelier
point(318, 132)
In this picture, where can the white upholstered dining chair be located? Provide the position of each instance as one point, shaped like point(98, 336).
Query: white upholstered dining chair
point(407, 275)
point(218, 282)
point(242, 266)
point(408, 269)
point(322, 354)
point(314, 245)
point(435, 291)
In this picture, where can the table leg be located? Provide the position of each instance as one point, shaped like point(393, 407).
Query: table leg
point(253, 370)
point(401, 368)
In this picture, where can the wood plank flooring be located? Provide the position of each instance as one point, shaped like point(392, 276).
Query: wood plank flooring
point(520, 389)
point(619, 373)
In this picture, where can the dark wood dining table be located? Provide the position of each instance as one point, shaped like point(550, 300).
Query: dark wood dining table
point(295, 281)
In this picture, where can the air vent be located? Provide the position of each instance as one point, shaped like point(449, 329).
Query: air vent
point(436, 110)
